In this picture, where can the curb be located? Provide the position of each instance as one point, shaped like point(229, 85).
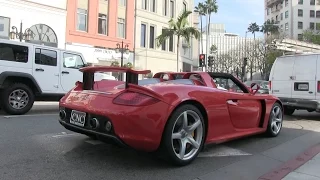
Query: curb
point(291, 165)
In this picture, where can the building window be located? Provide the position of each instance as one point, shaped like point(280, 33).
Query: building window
point(276, 17)
point(318, 14)
point(171, 43)
point(82, 15)
point(312, 2)
point(122, 2)
point(163, 46)
point(153, 5)
point(103, 17)
point(143, 35)
point(300, 12)
point(312, 25)
point(46, 57)
point(4, 27)
point(286, 26)
point(281, 16)
point(121, 28)
point(102, 24)
point(144, 4)
point(171, 8)
point(286, 14)
point(300, 2)
point(312, 14)
point(165, 7)
point(300, 37)
point(286, 3)
point(184, 6)
point(152, 37)
point(317, 26)
point(15, 53)
point(300, 25)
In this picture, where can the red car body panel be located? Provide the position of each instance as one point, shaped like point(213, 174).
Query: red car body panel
point(141, 127)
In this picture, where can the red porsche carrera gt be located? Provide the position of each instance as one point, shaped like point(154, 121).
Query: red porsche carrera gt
point(176, 117)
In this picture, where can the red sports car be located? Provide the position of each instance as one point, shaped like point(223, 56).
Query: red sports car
point(175, 117)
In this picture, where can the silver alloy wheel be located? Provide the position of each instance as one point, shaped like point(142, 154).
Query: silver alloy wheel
point(18, 99)
point(187, 135)
point(276, 120)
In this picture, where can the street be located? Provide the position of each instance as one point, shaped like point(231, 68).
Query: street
point(35, 146)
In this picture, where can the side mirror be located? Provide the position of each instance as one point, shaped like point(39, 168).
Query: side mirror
point(254, 88)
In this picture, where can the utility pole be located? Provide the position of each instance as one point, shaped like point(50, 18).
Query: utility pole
point(207, 41)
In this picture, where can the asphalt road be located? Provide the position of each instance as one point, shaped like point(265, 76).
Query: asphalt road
point(35, 146)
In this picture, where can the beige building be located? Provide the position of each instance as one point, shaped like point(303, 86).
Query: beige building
point(151, 17)
point(293, 16)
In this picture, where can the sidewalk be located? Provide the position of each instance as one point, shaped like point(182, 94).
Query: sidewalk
point(305, 166)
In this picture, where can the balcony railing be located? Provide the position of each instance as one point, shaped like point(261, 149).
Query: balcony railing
point(270, 3)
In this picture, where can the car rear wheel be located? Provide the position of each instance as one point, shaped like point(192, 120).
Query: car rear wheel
point(184, 135)
point(275, 120)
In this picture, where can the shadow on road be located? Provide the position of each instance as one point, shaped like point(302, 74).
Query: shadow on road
point(40, 108)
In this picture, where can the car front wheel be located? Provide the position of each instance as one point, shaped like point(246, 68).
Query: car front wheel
point(184, 135)
point(17, 99)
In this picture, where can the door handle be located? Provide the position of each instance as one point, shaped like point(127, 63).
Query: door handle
point(40, 69)
point(233, 102)
point(65, 72)
point(310, 92)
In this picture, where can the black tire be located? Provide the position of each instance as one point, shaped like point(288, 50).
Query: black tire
point(6, 93)
point(166, 150)
point(270, 132)
point(288, 110)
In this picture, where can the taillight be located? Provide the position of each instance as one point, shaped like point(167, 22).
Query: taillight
point(134, 99)
point(318, 87)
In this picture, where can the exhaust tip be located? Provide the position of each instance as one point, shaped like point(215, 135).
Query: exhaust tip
point(108, 126)
point(62, 114)
point(94, 123)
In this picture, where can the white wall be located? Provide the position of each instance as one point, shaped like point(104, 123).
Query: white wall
point(156, 59)
point(32, 13)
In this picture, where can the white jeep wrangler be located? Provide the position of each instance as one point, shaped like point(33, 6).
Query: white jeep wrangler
point(30, 72)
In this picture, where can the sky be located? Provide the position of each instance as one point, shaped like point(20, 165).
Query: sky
point(237, 15)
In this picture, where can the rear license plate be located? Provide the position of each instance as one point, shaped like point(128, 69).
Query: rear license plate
point(303, 86)
point(78, 118)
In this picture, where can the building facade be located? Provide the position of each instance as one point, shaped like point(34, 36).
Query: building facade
point(151, 17)
point(46, 20)
point(293, 16)
point(97, 27)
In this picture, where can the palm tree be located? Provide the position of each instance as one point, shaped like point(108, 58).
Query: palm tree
point(210, 6)
point(201, 10)
point(180, 28)
point(253, 28)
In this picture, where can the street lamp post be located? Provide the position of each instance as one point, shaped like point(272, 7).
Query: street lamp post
point(122, 48)
point(20, 35)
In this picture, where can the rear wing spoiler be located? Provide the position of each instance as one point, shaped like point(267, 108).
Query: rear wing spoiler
point(88, 75)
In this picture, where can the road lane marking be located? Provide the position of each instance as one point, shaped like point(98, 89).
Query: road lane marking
point(28, 115)
point(223, 151)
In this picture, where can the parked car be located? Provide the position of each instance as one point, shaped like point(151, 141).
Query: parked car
point(264, 85)
point(174, 117)
point(32, 72)
point(295, 80)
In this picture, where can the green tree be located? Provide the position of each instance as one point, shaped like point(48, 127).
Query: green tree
point(270, 27)
point(201, 10)
point(180, 28)
point(210, 6)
